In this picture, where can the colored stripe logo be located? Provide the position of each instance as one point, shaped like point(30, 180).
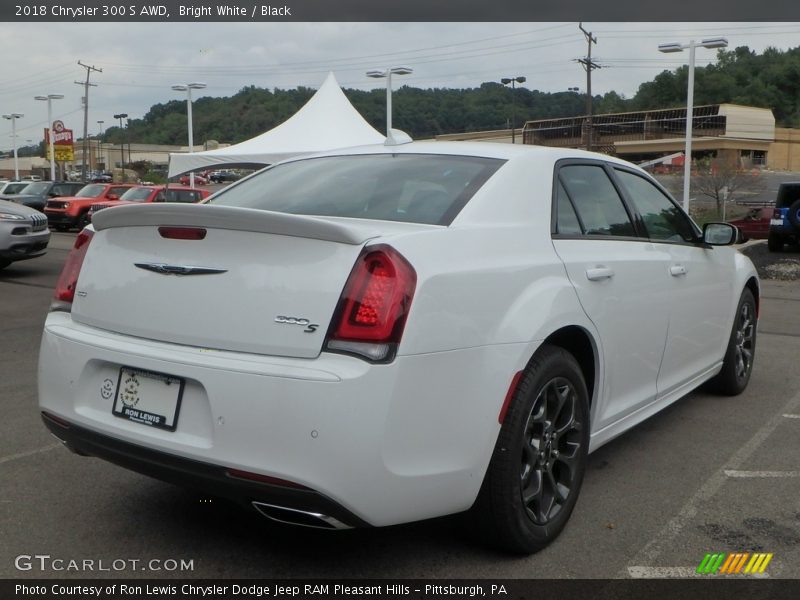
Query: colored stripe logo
point(721, 563)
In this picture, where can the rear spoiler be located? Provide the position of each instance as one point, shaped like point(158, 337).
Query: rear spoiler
point(232, 217)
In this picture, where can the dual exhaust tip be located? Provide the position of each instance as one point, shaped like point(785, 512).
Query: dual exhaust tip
point(303, 518)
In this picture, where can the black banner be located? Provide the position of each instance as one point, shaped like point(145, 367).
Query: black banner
point(404, 10)
point(416, 589)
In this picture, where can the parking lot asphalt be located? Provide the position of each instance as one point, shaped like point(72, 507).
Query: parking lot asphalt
point(709, 474)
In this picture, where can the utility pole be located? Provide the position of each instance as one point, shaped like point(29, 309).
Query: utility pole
point(589, 65)
point(86, 85)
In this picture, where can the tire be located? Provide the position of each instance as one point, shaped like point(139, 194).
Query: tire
point(60, 227)
point(792, 215)
point(83, 221)
point(775, 242)
point(543, 443)
point(738, 362)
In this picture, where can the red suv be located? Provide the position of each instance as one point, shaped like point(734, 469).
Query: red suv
point(154, 193)
point(63, 213)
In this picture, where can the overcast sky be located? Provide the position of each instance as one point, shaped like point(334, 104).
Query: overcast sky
point(140, 61)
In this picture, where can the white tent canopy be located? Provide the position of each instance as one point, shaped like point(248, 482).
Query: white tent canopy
point(326, 122)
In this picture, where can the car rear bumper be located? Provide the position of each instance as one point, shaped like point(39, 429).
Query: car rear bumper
point(208, 478)
point(385, 444)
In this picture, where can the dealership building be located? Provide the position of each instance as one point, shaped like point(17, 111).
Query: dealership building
point(743, 133)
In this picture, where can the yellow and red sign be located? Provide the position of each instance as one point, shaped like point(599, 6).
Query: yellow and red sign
point(62, 142)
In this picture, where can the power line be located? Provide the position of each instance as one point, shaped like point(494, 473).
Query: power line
point(86, 85)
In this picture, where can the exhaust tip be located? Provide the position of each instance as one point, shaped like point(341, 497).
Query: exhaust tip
point(303, 518)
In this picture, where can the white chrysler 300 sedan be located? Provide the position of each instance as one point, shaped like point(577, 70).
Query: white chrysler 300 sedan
point(384, 334)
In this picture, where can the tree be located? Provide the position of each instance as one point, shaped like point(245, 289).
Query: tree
point(725, 179)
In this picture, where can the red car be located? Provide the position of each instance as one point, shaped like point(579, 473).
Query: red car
point(198, 179)
point(755, 226)
point(72, 211)
point(154, 193)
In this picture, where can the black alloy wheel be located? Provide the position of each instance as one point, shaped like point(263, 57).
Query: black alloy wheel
point(550, 451)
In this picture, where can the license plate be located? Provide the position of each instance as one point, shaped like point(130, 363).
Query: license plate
point(148, 398)
point(776, 221)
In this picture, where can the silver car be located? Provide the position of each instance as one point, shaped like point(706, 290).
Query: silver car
point(23, 233)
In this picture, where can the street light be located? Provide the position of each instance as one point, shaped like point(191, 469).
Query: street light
point(100, 145)
point(51, 141)
point(13, 118)
point(121, 116)
point(513, 81)
point(718, 42)
point(387, 73)
point(188, 87)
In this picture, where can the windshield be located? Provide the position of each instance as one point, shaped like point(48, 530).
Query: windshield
point(35, 188)
point(413, 188)
point(137, 194)
point(90, 191)
point(13, 188)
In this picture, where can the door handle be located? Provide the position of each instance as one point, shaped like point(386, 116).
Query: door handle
point(599, 273)
point(677, 270)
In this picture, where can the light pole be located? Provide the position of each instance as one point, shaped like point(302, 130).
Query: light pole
point(513, 81)
point(387, 73)
point(51, 143)
point(719, 42)
point(188, 87)
point(13, 118)
point(121, 116)
point(100, 146)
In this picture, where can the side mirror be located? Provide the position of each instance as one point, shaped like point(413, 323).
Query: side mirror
point(112, 197)
point(720, 234)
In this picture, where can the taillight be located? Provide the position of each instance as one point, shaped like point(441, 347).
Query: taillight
point(182, 233)
point(372, 310)
point(65, 288)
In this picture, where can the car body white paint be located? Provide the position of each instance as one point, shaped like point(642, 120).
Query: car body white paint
point(392, 442)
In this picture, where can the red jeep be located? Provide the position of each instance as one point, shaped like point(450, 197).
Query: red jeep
point(72, 211)
point(154, 193)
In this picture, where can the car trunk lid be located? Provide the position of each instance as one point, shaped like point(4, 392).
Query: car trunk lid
point(256, 281)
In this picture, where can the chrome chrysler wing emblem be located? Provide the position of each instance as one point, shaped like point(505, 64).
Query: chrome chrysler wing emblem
point(166, 269)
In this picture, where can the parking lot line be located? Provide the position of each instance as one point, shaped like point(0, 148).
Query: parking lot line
point(664, 539)
point(792, 416)
point(765, 474)
point(19, 455)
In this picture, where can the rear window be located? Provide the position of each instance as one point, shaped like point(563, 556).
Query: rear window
point(413, 188)
point(787, 194)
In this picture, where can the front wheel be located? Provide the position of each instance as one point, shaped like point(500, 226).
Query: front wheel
point(738, 362)
point(537, 468)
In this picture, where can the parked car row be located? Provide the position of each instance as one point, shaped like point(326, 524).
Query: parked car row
point(24, 232)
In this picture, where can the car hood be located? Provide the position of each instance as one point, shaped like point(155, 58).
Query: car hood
point(16, 209)
point(21, 198)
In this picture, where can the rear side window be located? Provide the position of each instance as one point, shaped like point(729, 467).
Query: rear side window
point(181, 196)
point(567, 221)
point(787, 194)
point(596, 201)
point(413, 188)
